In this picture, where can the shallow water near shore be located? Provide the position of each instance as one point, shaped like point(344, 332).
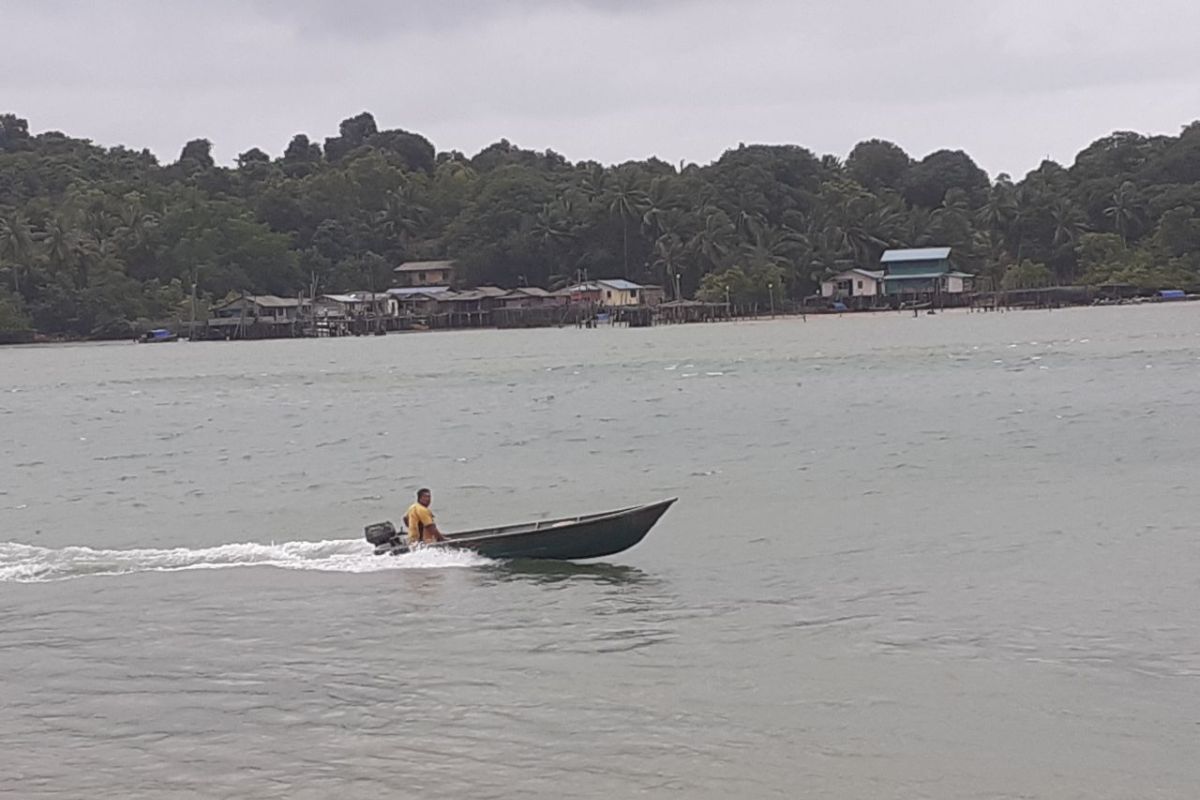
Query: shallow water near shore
point(951, 556)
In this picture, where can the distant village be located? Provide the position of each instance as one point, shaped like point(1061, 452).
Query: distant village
point(428, 297)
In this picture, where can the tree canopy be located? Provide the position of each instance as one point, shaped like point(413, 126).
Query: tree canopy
point(95, 241)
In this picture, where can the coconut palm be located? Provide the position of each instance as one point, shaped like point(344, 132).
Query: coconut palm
point(16, 245)
point(661, 201)
point(918, 228)
point(626, 202)
point(60, 241)
point(134, 222)
point(402, 216)
point(995, 216)
point(595, 182)
point(1068, 222)
point(712, 242)
point(952, 221)
point(773, 246)
point(1125, 211)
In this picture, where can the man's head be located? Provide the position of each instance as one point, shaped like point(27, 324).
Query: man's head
point(424, 497)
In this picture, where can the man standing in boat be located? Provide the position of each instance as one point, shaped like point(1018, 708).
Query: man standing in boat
point(419, 521)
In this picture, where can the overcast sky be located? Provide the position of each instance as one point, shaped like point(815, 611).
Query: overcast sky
point(1009, 82)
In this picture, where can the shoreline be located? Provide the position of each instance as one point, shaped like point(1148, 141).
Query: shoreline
point(45, 341)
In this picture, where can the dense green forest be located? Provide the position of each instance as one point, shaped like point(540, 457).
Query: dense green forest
point(97, 241)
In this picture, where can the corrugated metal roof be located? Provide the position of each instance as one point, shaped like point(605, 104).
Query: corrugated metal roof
point(620, 284)
point(264, 300)
point(423, 266)
point(271, 301)
point(428, 290)
point(915, 276)
point(873, 274)
point(417, 296)
point(916, 254)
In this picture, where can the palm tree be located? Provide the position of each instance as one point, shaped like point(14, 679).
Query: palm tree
point(772, 247)
point(551, 228)
point(712, 240)
point(1125, 210)
point(660, 203)
point(628, 203)
point(595, 182)
point(60, 242)
point(16, 245)
point(1023, 211)
point(918, 228)
point(135, 222)
point(668, 255)
point(952, 221)
point(1068, 222)
point(996, 216)
point(551, 224)
point(402, 216)
point(95, 242)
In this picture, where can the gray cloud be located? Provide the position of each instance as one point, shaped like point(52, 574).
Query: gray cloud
point(371, 19)
point(610, 80)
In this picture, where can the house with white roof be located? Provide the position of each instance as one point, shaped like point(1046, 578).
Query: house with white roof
point(620, 292)
point(853, 283)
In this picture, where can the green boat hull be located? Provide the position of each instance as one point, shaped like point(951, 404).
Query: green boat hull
point(567, 539)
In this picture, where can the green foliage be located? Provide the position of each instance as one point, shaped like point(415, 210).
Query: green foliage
point(878, 165)
point(99, 241)
point(744, 287)
point(12, 315)
point(929, 180)
point(1027, 275)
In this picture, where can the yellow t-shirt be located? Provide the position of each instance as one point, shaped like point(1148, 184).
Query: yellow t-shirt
point(418, 518)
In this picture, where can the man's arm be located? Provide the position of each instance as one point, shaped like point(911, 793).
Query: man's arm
point(433, 534)
point(431, 531)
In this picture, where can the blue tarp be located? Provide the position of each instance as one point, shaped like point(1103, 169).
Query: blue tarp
point(1171, 294)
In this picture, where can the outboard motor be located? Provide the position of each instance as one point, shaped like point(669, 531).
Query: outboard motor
point(385, 537)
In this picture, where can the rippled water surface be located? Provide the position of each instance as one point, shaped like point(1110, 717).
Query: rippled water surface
point(953, 556)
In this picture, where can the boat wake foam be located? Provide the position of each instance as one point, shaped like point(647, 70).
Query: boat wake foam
point(29, 563)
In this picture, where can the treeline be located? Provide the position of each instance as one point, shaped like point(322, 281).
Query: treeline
point(99, 241)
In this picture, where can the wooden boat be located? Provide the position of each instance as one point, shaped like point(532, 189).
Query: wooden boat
point(568, 538)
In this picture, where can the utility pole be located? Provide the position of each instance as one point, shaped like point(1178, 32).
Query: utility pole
point(192, 324)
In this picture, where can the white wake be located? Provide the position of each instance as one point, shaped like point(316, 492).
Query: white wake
point(30, 563)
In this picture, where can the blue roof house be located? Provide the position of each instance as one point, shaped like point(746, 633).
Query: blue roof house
point(922, 271)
